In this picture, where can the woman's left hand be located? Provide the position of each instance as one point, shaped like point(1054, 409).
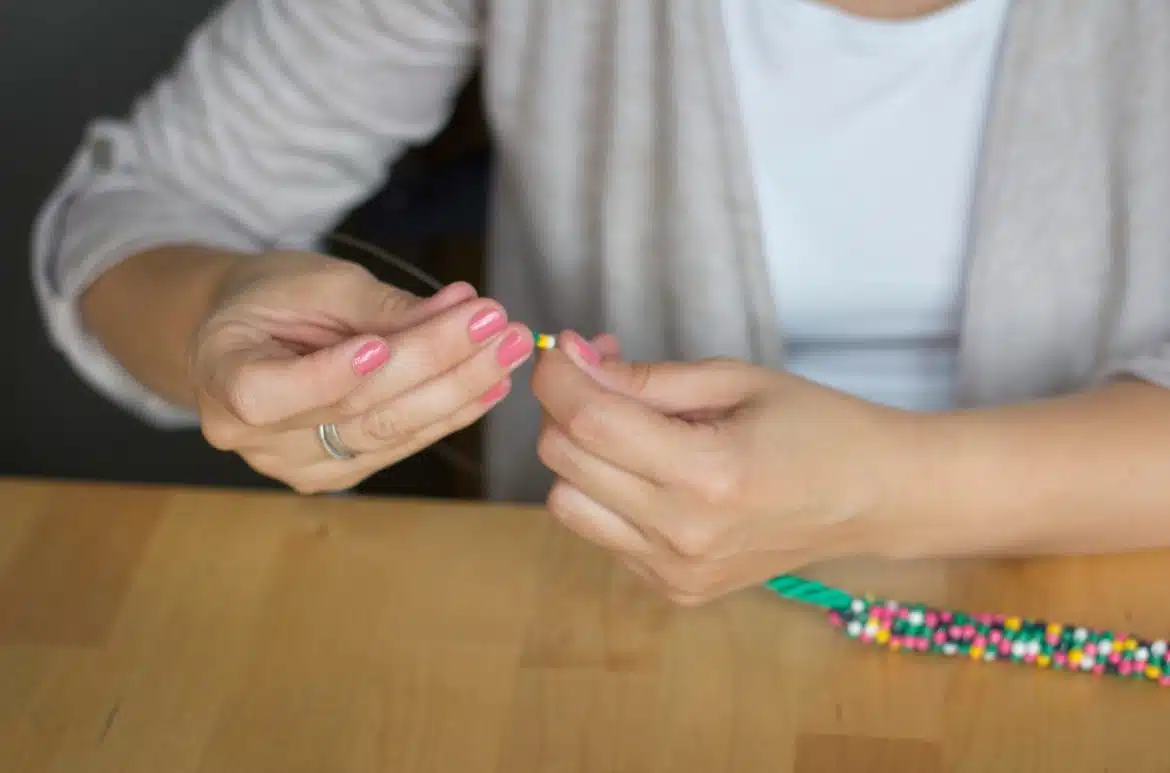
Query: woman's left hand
point(712, 476)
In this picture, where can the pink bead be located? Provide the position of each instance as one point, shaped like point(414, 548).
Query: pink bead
point(956, 632)
point(835, 619)
point(1125, 668)
point(1091, 650)
point(931, 619)
point(1005, 647)
point(923, 644)
point(1058, 658)
point(1099, 669)
point(1115, 657)
point(1052, 639)
point(1165, 681)
point(968, 631)
point(980, 641)
point(903, 613)
point(945, 616)
point(1029, 658)
point(995, 637)
point(983, 619)
point(940, 637)
point(866, 637)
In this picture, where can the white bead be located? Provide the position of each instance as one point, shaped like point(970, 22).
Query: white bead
point(950, 649)
point(1158, 648)
point(1105, 647)
point(871, 630)
point(1080, 634)
point(1033, 648)
point(858, 605)
point(1018, 649)
point(1087, 664)
point(853, 629)
point(916, 618)
point(1142, 655)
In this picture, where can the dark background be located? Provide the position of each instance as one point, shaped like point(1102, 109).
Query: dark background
point(62, 64)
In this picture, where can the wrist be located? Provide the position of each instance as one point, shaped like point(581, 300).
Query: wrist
point(937, 480)
point(147, 309)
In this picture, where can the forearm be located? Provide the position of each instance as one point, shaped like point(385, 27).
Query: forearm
point(146, 309)
point(1086, 473)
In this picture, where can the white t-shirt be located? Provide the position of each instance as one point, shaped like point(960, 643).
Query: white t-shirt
point(865, 138)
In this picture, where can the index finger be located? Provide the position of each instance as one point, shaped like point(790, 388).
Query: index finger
point(619, 429)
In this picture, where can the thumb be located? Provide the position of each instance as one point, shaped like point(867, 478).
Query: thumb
point(717, 384)
point(266, 383)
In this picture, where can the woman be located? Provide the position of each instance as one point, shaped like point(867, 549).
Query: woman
point(896, 271)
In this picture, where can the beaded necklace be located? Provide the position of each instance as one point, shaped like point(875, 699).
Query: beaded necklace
point(919, 628)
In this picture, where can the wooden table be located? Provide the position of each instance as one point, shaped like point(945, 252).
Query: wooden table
point(154, 630)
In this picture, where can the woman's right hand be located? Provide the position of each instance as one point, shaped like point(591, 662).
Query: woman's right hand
point(298, 340)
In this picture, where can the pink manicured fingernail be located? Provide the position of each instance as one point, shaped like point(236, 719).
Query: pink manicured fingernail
point(486, 324)
point(497, 393)
point(371, 357)
point(585, 351)
point(514, 348)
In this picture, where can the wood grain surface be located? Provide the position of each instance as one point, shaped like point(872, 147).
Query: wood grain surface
point(158, 630)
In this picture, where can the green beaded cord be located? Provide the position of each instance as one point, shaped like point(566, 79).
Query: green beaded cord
point(983, 637)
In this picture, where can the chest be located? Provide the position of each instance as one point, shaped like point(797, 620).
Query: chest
point(626, 163)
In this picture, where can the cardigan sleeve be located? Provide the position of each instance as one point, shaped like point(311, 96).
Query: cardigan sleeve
point(1151, 365)
point(279, 116)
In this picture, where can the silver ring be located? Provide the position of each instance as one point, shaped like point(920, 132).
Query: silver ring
point(331, 442)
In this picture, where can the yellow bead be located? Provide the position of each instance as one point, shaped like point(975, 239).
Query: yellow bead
point(545, 341)
point(883, 636)
point(1152, 672)
point(1074, 657)
point(1053, 629)
point(1043, 661)
point(1130, 645)
point(976, 653)
point(1012, 624)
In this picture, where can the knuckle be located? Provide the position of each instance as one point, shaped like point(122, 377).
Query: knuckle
point(587, 424)
point(305, 487)
point(721, 481)
point(640, 376)
point(393, 302)
point(461, 419)
point(241, 397)
point(550, 449)
point(686, 600)
point(220, 435)
point(352, 405)
point(559, 501)
point(688, 581)
point(382, 426)
point(347, 271)
point(693, 540)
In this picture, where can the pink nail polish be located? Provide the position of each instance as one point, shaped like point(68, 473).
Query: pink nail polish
point(496, 393)
point(487, 323)
point(586, 351)
point(514, 348)
point(371, 357)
